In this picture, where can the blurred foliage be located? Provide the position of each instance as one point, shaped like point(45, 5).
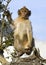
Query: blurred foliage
point(5, 22)
point(5, 27)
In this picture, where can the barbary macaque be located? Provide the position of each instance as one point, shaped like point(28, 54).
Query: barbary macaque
point(23, 35)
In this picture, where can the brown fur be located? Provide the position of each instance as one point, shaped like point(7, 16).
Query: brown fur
point(24, 11)
point(23, 31)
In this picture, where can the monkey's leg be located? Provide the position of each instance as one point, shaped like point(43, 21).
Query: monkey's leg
point(18, 46)
point(30, 49)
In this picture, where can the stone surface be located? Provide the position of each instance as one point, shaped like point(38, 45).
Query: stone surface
point(32, 60)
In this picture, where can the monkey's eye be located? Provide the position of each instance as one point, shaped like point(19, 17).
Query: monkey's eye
point(25, 11)
point(22, 11)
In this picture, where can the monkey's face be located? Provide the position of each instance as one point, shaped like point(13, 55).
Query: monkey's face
point(24, 13)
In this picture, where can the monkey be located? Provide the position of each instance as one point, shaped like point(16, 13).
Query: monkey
point(23, 34)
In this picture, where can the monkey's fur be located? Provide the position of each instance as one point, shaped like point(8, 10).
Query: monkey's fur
point(23, 35)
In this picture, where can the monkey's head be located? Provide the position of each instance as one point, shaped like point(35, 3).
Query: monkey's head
point(24, 12)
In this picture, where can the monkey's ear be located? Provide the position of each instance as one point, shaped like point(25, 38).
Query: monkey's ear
point(29, 13)
point(19, 13)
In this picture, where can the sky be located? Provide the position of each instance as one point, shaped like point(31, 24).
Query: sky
point(38, 16)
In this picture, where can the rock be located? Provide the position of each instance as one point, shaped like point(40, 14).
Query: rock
point(32, 60)
point(3, 60)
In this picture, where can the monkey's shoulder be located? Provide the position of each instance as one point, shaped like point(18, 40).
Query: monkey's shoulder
point(26, 22)
point(22, 20)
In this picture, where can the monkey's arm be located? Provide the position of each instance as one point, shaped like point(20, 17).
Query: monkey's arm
point(13, 26)
point(30, 35)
